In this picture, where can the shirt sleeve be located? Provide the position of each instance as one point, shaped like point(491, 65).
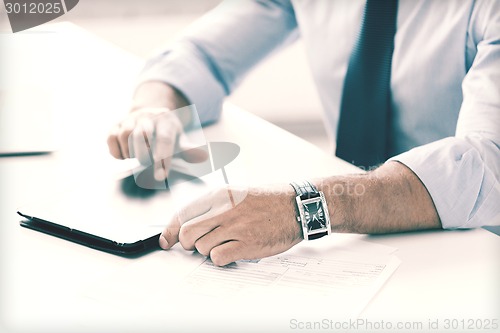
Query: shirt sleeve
point(462, 173)
point(208, 61)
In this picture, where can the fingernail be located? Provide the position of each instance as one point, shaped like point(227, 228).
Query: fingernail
point(163, 242)
point(159, 174)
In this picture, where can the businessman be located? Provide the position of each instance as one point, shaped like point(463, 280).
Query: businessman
point(409, 87)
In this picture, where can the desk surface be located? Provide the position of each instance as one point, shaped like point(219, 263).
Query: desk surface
point(44, 281)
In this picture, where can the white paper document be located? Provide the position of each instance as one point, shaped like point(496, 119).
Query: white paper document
point(333, 277)
point(344, 281)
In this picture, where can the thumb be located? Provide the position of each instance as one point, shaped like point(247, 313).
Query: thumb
point(170, 234)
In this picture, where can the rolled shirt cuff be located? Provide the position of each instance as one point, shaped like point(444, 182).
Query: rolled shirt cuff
point(464, 188)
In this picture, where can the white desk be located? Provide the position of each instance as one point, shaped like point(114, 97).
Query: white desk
point(46, 283)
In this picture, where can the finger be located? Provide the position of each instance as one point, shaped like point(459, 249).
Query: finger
point(140, 141)
point(164, 146)
point(207, 213)
point(211, 239)
point(126, 128)
point(198, 227)
point(197, 208)
point(191, 152)
point(227, 253)
point(113, 145)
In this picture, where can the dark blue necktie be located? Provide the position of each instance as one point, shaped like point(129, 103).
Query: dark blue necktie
point(363, 137)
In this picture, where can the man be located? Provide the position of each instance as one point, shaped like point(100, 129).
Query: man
point(440, 119)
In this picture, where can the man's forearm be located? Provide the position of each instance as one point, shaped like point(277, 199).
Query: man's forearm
point(388, 199)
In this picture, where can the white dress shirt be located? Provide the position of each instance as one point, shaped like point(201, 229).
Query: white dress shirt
point(445, 82)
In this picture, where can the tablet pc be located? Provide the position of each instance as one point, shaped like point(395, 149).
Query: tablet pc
point(111, 215)
point(126, 215)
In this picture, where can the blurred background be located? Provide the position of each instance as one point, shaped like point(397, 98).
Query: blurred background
point(279, 90)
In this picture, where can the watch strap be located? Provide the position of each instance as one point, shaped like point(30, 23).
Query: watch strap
point(305, 188)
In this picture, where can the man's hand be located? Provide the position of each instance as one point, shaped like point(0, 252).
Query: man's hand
point(152, 132)
point(233, 223)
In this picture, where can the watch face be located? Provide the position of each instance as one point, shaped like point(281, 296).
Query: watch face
point(314, 215)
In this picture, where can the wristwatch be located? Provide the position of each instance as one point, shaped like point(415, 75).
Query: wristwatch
point(312, 211)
